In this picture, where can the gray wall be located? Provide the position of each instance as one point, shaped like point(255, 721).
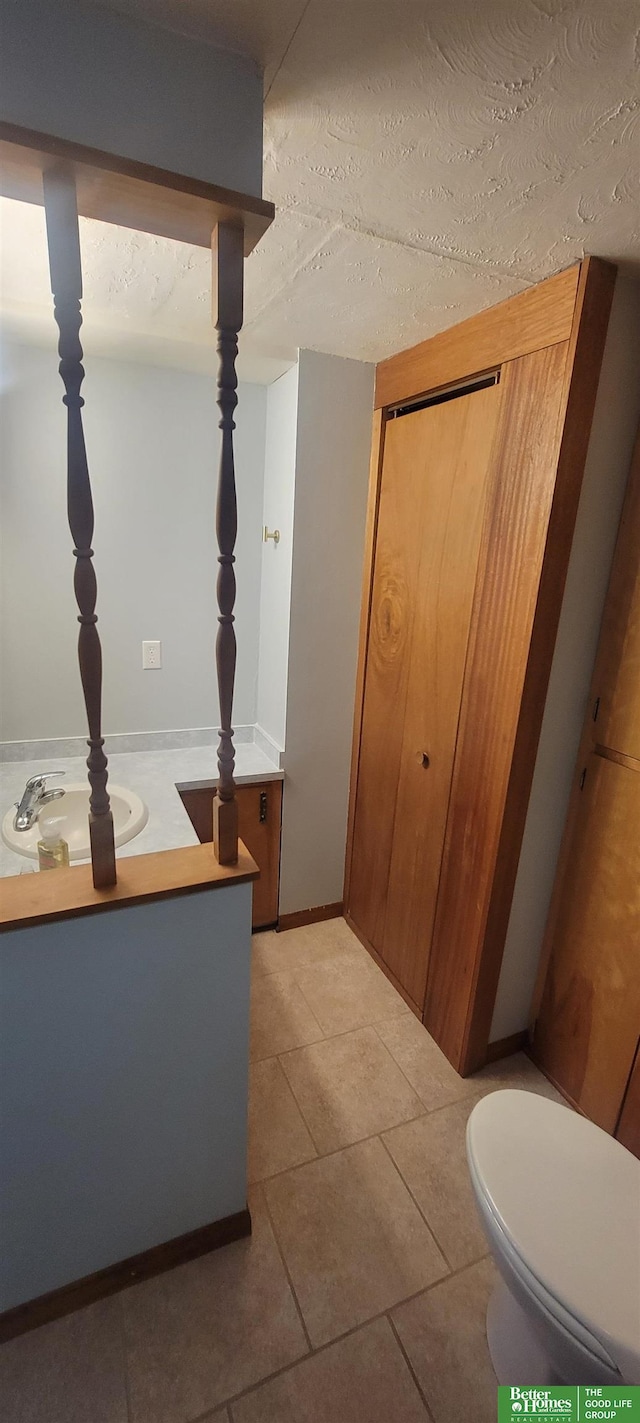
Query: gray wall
point(610, 447)
point(123, 1061)
point(335, 402)
point(275, 585)
point(85, 73)
point(152, 442)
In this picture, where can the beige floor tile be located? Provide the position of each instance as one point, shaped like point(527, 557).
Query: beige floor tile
point(278, 1137)
point(348, 992)
point(205, 1331)
point(352, 1238)
point(444, 1335)
point(516, 1071)
point(428, 1070)
point(71, 1371)
point(437, 1082)
point(280, 1016)
point(430, 1155)
point(295, 948)
point(349, 1087)
point(362, 1379)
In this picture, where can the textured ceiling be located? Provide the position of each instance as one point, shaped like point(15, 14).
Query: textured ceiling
point(427, 158)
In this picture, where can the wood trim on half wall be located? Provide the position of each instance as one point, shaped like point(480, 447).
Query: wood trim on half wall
point(117, 1277)
point(128, 193)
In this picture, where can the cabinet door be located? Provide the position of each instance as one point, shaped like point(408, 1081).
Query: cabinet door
point(618, 678)
point(429, 523)
point(587, 1027)
point(259, 817)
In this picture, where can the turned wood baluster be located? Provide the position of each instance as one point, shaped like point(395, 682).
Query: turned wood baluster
point(66, 284)
point(228, 257)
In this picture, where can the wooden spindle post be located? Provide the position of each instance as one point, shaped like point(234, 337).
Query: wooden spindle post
point(63, 240)
point(227, 281)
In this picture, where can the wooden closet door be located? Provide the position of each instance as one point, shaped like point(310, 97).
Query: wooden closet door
point(432, 495)
point(587, 1027)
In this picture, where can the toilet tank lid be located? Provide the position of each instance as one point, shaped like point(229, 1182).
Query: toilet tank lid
point(567, 1195)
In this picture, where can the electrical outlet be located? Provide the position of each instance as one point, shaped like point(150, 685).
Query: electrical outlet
point(151, 655)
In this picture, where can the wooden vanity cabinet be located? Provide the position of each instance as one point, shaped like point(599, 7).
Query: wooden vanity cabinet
point(259, 821)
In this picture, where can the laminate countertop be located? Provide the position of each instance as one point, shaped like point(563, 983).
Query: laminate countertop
point(153, 775)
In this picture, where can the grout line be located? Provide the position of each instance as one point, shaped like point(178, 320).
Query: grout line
point(336, 1150)
point(394, 1330)
point(300, 967)
point(474, 1092)
point(319, 1154)
point(419, 1209)
point(322, 1348)
point(323, 1155)
point(328, 1037)
point(273, 1174)
point(313, 1015)
point(288, 1052)
point(287, 1273)
point(428, 1110)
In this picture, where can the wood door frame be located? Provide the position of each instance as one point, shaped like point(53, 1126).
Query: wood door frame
point(570, 310)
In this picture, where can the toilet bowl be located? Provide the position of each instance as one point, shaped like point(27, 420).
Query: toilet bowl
point(559, 1201)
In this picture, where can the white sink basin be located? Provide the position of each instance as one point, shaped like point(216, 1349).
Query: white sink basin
point(130, 816)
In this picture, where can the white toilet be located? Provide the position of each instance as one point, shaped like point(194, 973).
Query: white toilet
point(559, 1200)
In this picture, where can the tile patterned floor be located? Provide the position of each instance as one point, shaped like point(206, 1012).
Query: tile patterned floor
point(361, 1295)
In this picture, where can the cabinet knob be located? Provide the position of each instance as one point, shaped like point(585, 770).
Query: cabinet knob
point(423, 757)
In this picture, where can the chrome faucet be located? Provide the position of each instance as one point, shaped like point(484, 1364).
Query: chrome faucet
point(34, 796)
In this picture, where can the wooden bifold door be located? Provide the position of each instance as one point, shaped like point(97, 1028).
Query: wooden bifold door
point(479, 441)
point(432, 496)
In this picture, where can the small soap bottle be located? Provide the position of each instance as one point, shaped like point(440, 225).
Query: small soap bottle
point(53, 851)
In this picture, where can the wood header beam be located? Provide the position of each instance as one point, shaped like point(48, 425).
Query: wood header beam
point(538, 317)
point(126, 193)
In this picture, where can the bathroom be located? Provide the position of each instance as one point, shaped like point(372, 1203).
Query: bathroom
point(335, 1257)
